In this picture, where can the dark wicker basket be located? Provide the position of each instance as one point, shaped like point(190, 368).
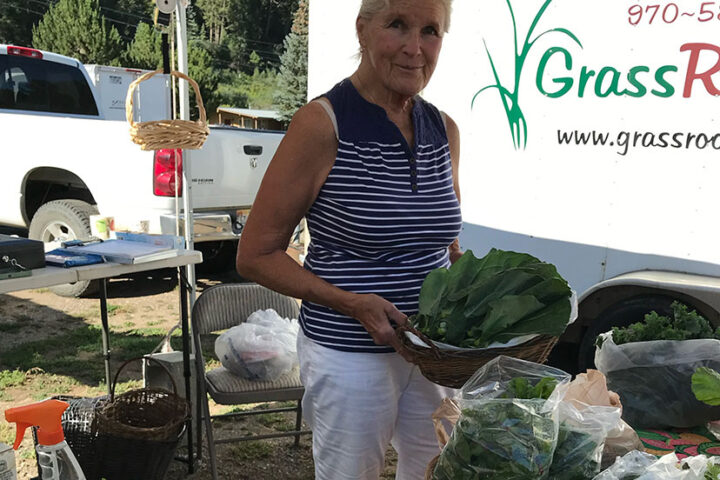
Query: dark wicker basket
point(77, 424)
point(143, 414)
point(139, 431)
point(452, 368)
point(135, 459)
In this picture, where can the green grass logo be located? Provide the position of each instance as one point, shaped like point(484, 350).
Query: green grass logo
point(516, 119)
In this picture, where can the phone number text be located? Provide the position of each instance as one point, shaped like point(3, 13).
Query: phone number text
point(670, 12)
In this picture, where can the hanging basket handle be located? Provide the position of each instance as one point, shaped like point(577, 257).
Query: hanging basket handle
point(117, 374)
point(131, 90)
point(400, 332)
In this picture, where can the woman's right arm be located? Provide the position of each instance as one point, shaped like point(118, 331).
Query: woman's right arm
point(290, 185)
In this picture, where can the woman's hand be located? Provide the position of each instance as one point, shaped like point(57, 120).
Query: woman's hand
point(375, 313)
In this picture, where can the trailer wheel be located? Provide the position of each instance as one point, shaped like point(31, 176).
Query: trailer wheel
point(59, 221)
point(621, 314)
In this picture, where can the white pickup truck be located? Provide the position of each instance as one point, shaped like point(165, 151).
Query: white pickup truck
point(62, 161)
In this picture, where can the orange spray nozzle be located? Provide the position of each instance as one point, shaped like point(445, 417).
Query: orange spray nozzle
point(45, 415)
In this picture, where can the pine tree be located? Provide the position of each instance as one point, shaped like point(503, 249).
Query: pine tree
point(292, 81)
point(145, 51)
point(16, 21)
point(77, 29)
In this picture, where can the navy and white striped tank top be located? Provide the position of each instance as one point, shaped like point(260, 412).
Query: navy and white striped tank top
point(384, 217)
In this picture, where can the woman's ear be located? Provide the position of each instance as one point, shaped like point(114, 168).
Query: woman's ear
point(360, 27)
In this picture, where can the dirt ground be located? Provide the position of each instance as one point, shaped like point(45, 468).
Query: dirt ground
point(142, 309)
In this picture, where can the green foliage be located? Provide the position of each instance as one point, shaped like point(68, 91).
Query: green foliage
point(685, 325)
point(520, 387)
point(712, 472)
point(145, 50)
point(17, 18)
point(575, 455)
point(77, 29)
point(200, 69)
point(215, 17)
point(11, 378)
point(253, 450)
point(125, 14)
point(292, 81)
point(259, 88)
point(77, 353)
point(493, 299)
point(706, 386)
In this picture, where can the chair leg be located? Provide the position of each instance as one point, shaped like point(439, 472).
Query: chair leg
point(210, 437)
point(298, 422)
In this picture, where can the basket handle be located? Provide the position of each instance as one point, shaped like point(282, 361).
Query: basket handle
point(400, 332)
point(142, 78)
point(117, 374)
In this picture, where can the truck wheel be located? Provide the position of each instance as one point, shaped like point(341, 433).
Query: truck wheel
point(59, 221)
point(621, 314)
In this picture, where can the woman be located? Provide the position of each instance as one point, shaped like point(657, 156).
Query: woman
point(373, 168)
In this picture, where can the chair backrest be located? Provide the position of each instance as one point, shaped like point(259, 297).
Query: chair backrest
point(224, 306)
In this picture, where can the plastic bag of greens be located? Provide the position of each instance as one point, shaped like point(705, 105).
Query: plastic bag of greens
point(581, 438)
point(629, 466)
point(643, 466)
point(508, 424)
point(653, 379)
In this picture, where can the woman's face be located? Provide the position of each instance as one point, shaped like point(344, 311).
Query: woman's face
point(402, 43)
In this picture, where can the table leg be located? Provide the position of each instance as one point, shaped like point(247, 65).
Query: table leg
point(105, 331)
point(186, 364)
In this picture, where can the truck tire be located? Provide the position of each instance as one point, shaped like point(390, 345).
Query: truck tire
point(621, 314)
point(62, 220)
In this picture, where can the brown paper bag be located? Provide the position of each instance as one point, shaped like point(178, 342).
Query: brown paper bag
point(448, 411)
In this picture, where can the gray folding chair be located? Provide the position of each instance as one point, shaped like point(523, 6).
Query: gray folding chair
point(219, 308)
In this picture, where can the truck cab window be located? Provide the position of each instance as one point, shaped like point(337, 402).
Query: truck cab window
point(37, 85)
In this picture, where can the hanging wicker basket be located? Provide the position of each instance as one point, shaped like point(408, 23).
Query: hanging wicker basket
point(170, 134)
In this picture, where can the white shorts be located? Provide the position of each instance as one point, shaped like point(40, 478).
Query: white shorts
point(358, 403)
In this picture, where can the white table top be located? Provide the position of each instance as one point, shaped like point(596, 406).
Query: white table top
point(49, 276)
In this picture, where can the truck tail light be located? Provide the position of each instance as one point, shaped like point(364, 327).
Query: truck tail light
point(25, 52)
point(167, 163)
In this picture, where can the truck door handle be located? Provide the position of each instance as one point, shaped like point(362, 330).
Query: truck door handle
point(252, 149)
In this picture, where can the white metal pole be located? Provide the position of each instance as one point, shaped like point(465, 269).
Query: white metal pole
point(183, 87)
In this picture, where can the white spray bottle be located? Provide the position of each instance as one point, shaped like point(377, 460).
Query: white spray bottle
point(56, 460)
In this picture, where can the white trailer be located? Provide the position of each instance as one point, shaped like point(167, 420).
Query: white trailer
point(589, 138)
point(152, 100)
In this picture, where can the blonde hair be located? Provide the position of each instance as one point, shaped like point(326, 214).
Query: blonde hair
point(370, 8)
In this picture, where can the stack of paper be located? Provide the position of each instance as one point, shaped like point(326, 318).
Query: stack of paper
point(123, 251)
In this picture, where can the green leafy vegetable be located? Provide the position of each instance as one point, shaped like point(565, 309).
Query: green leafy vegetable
point(575, 455)
point(706, 386)
point(503, 295)
point(685, 325)
point(712, 472)
point(508, 438)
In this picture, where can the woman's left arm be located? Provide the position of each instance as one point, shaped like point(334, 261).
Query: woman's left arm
point(453, 135)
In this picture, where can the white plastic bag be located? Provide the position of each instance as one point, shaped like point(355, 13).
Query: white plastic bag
point(643, 466)
point(261, 348)
point(653, 379)
point(581, 438)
